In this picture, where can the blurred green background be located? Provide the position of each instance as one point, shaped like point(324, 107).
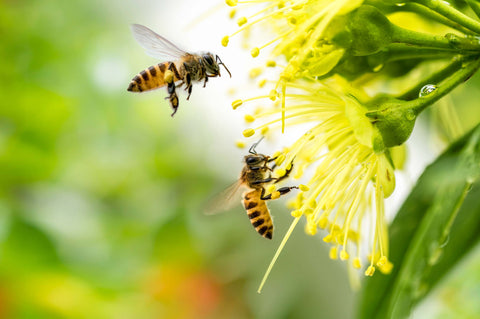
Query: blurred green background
point(101, 191)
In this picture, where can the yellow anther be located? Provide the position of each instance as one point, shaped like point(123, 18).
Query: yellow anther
point(308, 211)
point(232, 13)
point(296, 213)
point(280, 172)
point(240, 143)
point(231, 3)
point(255, 52)
point(271, 64)
point(323, 222)
point(386, 268)
point(311, 229)
point(292, 20)
point(280, 159)
point(168, 77)
point(382, 261)
point(249, 118)
point(298, 6)
point(370, 271)
point(255, 72)
point(264, 130)
point(303, 188)
point(328, 238)
point(356, 263)
point(225, 40)
point(236, 104)
point(333, 253)
point(241, 21)
point(273, 95)
point(262, 83)
point(344, 255)
point(248, 132)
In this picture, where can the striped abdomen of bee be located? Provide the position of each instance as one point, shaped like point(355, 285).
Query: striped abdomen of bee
point(151, 78)
point(258, 213)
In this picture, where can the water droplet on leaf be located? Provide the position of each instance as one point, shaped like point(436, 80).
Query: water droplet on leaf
point(427, 90)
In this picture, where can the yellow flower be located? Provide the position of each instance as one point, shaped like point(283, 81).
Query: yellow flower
point(350, 171)
point(349, 180)
point(304, 29)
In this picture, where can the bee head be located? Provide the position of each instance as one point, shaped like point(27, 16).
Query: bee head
point(255, 160)
point(211, 64)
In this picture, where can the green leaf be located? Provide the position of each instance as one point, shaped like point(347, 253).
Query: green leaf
point(438, 224)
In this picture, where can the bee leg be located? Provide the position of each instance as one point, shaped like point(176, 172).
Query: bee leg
point(188, 87)
point(287, 172)
point(206, 80)
point(172, 97)
point(281, 190)
point(263, 181)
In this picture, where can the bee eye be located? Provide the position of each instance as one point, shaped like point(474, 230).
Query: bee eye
point(208, 59)
point(251, 160)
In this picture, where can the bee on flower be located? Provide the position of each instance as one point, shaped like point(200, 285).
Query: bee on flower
point(329, 54)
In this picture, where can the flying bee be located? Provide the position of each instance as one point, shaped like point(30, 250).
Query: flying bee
point(180, 67)
point(255, 175)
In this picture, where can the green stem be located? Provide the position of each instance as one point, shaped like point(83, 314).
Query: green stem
point(467, 69)
point(451, 13)
point(437, 77)
point(420, 10)
point(398, 51)
point(447, 42)
point(475, 6)
point(435, 16)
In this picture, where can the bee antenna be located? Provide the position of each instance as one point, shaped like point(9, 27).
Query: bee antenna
point(221, 63)
point(252, 148)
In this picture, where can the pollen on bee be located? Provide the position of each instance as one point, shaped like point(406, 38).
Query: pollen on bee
point(270, 189)
point(248, 132)
point(275, 194)
point(168, 77)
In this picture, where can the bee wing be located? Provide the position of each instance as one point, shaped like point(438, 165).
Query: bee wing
point(155, 45)
point(226, 199)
